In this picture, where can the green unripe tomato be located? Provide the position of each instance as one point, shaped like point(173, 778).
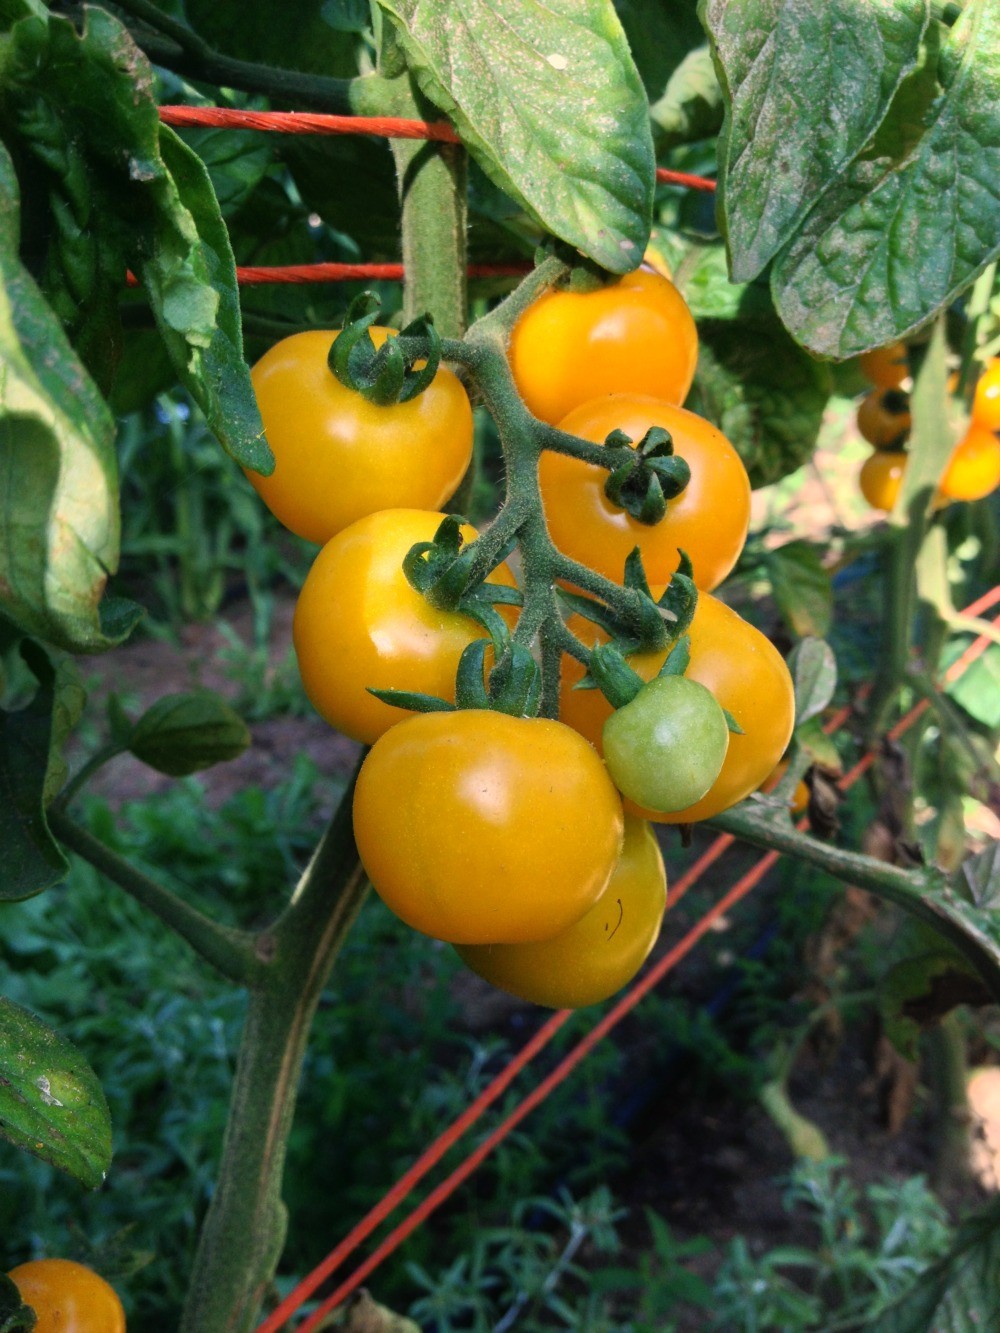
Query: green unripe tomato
point(666, 748)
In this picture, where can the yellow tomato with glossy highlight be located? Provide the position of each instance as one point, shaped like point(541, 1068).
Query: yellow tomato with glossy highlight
point(339, 457)
point(359, 623)
point(480, 828)
point(881, 477)
point(709, 519)
point(635, 335)
point(68, 1297)
point(603, 951)
point(973, 470)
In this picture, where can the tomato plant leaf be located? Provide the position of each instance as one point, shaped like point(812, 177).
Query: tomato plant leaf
point(820, 748)
point(957, 1293)
point(978, 688)
point(764, 393)
point(236, 161)
point(805, 89)
point(51, 1103)
point(59, 529)
point(931, 437)
point(82, 110)
point(29, 743)
point(690, 106)
point(550, 105)
point(914, 219)
point(801, 587)
point(814, 676)
point(980, 876)
point(919, 990)
point(184, 733)
point(700, 271)
point(190, 279)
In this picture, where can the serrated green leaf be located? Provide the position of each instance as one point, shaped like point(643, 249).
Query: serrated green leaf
point(911, 223)
point(765, 394)
point(184, 733)
point(51, 1103)
point(550, 105)
point(59, 527)
point(32, 860)
point(814, 676)
point(805, 89)
point(802, 588)
point(959, 1293)
point(190, 280)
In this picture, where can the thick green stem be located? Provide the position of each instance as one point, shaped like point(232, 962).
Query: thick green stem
point(948, 1073)
point(229, 951)
point(432, 194)
point(930, 446)
point(243, 1233)
point(174, 45)
point(924, 893)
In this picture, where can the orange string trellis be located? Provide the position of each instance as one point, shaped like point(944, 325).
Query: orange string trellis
point(436, 1150)
point(391, 127)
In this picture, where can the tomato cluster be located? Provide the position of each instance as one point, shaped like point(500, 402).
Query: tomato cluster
point(972, 471)
point(506, 834)
point(68, 1297)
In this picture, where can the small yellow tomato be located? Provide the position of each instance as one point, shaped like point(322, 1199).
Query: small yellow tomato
point(881, 477)
point(68, 1297)
point(339, 457)
point(884, 418)
point(603, 951)
point(359, 623)
point(973, 470)
point(885, 367)
point(635, 335)
point(480, 828)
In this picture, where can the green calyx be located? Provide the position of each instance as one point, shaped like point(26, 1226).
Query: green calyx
point(513, 686)
point(446, 572)
point(896, 402)
point(645, 626)
point(648, 475)
point(582, 274)
point(613, 676)
point(383, 375)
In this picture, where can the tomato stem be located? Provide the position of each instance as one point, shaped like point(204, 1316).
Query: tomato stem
point(229, 951)
point(924, 892)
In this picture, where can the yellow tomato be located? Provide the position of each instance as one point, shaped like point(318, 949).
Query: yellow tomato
point(603, 951)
